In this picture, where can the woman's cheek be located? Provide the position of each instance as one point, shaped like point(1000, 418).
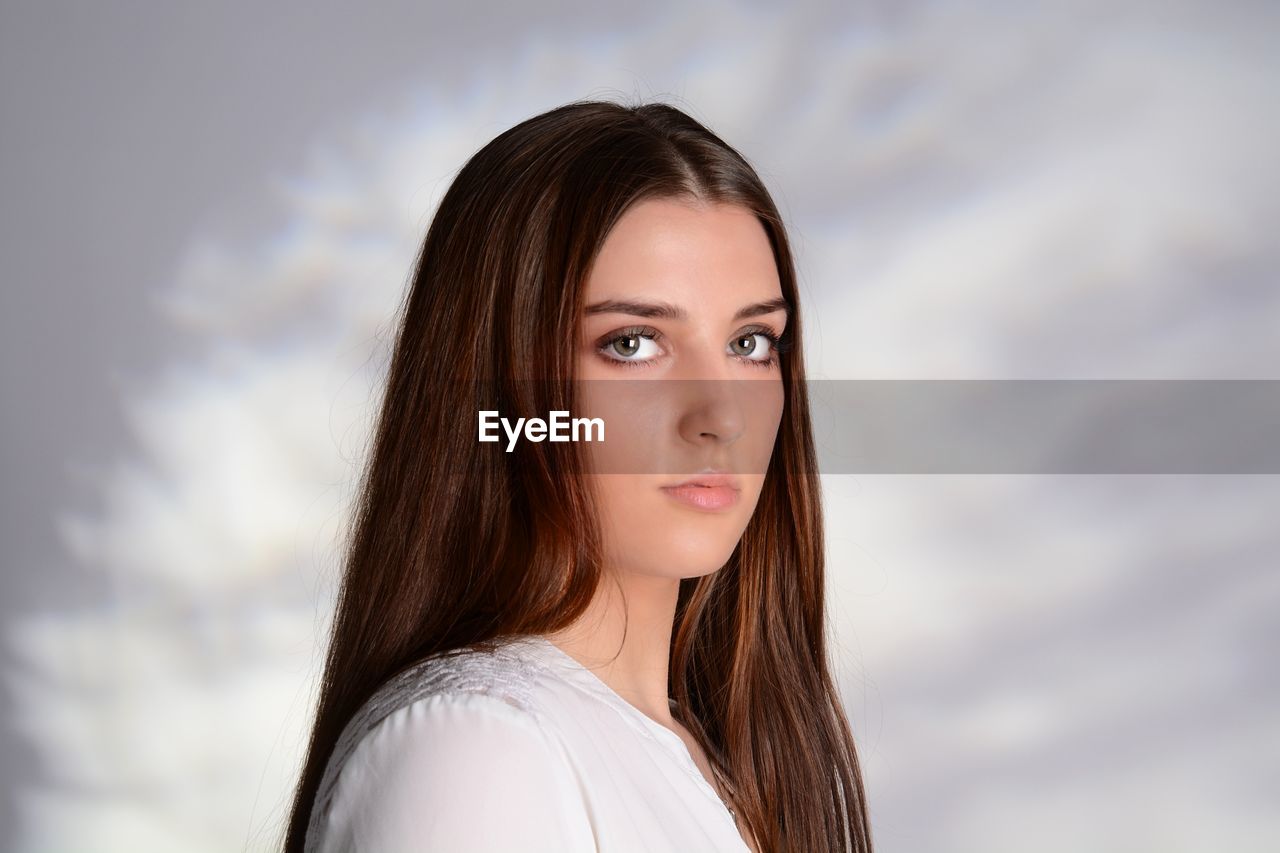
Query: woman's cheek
point(639, 424)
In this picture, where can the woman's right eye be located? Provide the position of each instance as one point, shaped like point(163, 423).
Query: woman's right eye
point(631, 346)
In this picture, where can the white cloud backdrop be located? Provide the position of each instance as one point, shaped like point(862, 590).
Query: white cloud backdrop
point(976, 191)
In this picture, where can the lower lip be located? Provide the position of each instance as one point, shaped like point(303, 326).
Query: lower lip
point(704, 497)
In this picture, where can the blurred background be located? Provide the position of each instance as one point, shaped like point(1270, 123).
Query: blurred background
point(209, 215)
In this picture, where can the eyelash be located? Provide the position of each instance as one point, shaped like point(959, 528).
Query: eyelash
point(778, 344)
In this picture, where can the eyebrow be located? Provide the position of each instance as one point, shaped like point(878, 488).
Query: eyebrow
point(667, 311)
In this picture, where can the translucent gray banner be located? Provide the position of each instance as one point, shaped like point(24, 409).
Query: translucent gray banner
point(667, 426)
point(1047, 426)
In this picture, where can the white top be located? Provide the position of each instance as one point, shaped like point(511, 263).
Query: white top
point(522, 749)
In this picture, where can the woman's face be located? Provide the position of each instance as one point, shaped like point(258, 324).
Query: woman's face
point(678, 352)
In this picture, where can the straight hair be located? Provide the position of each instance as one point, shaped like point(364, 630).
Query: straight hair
point(454, 546)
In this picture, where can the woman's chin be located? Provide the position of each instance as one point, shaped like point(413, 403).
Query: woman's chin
point(681, 563)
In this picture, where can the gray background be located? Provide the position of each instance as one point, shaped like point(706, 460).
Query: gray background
point(209, 214)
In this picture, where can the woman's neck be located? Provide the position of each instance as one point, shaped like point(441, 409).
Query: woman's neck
point(627, 644)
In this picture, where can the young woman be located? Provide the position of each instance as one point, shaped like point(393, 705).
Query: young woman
point(578, 645)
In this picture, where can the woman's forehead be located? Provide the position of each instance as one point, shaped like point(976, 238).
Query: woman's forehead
point(685, 254)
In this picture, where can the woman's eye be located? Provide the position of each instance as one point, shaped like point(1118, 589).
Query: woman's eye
point(754, 346)
point(631, 347)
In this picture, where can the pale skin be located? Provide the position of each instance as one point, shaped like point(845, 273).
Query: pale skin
point(711, 269)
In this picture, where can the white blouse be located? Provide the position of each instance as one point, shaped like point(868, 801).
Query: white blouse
point(521, 749)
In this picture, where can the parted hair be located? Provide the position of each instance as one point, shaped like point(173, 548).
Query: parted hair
point(453, 546)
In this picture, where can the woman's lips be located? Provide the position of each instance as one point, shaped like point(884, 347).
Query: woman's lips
point(713, 492)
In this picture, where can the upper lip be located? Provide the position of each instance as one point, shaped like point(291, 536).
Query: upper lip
point(709, 479)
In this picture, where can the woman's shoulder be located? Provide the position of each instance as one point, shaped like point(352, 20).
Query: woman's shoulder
point(502, 670)
point(435, 731)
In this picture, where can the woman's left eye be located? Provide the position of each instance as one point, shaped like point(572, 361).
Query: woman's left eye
point(753, 346)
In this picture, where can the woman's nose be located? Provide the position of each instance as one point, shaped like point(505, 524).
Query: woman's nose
point(711, 410)
point(710, 399)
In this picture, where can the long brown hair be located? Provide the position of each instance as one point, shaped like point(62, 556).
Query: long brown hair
point(455, 546)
